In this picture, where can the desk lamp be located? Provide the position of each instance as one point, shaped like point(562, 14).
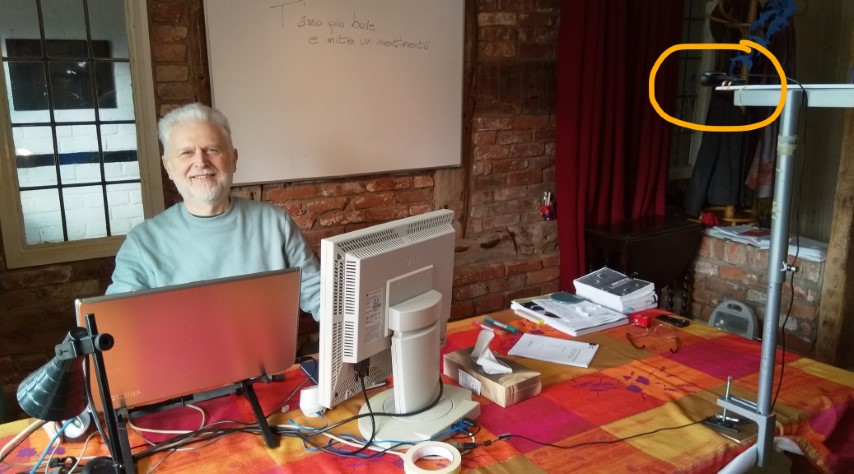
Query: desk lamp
point(57, 390)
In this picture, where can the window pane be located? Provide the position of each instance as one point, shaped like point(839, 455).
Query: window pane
point(107, 22)
point(42, 219)
point(115, 96)
point(120, 157)
point(125, 202)
point(84, 212)
point(19, 20)
point(34, 156)
point(64, 20)
point(71, 84)
point(27, 92)
point(78, 154)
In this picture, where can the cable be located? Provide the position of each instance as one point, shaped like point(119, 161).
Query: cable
point(588, 443)
point(805, 106)
point(20, 437)
point(50, 445)
point(141, 430)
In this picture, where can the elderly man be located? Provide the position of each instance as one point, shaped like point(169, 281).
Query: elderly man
point(210, 234)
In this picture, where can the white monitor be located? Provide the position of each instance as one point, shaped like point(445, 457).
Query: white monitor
point(385, 300)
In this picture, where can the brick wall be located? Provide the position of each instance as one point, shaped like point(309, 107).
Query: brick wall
point(505, 250)
point(731, 270)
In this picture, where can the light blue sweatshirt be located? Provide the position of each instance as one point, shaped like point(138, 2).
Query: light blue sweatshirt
point(177, 247)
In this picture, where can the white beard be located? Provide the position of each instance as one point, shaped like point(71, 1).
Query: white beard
point(204, 191)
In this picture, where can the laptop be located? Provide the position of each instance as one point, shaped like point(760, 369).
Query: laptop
point(185, 339)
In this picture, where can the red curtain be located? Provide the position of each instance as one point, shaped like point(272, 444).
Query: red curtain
point(612, 148)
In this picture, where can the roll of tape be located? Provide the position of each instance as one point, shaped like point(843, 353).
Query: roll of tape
point(432, 448)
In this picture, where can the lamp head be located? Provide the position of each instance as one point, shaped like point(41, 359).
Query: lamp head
point(56, 391)
point(717, 78)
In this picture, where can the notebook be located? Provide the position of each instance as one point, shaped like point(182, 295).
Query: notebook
point(185, 339)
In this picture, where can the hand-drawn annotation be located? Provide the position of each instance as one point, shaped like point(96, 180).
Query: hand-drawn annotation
point(350, 32)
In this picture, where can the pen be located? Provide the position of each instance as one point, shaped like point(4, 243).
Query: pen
point(481, 325)
point(498, 324)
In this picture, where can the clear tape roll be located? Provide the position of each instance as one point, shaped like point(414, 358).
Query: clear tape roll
point(432, 448)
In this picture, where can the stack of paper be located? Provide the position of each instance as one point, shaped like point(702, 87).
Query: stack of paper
point(614, 290)
point(552, 349)
point(567, 313)
point(803, 247)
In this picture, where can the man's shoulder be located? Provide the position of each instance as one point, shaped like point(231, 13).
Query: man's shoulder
point(256, 207)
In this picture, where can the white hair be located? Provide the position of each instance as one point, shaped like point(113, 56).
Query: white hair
point(194, 112)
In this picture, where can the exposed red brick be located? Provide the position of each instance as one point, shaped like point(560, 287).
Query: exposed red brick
point(422, 181)
point(493, 123)
point(484, 138)
point(518, 178)
point(169, 52)
point(367, 201)
point(326, 204)
point(168, 33)
point(489, 303)
point(503, 285)
point(387, 214)
point(420, 209)
point(304, 222)
point(166, 12)
point(497, 49)
point(413, 196)
point(496, 33)
point(497, 18)
point(468, 292)
point(462, 310)
point(526, 149)
point(286, 193)
point(388, 184)
point(524, 266)
point(491, 152)
point(171, 73)
point(509, 164)
point(551, 260)
point(175, 91)
point(512, 137)
point(341, 189)
point(544, 275)
point(492, 222)
point(465, 276)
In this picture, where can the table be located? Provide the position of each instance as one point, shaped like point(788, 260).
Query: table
point(658, 249)
point(625, 392)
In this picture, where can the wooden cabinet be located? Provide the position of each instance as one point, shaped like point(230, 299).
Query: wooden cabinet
point(656, 249)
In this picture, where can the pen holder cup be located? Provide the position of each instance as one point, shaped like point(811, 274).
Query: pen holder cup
point(547, 211)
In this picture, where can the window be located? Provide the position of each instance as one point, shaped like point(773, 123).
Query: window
point(80, 164)
point(692, 99)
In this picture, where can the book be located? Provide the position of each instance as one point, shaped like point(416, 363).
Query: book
point(568, 313)
point(614, 290)
point(803, 247)
point(552, 349)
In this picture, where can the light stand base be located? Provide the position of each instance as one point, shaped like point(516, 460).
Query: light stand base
point(455, 404)
point(100, 465)
point(740, 431)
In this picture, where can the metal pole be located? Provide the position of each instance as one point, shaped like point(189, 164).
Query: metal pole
point(777, 253)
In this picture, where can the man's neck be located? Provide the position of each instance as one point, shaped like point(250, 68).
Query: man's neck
point(204, 209)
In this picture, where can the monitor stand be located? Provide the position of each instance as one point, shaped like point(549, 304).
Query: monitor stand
point(245, 388)
point(435, 423)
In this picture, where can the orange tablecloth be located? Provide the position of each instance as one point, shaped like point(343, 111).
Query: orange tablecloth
point(625, 392)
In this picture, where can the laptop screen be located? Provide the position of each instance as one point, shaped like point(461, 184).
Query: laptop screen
point(185, 339)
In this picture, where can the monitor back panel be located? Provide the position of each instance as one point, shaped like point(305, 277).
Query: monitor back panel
point(185, 339)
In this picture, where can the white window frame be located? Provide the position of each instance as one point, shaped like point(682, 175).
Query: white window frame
point(18, 253)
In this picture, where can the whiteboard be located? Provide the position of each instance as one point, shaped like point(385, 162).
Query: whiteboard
point(323, 88)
